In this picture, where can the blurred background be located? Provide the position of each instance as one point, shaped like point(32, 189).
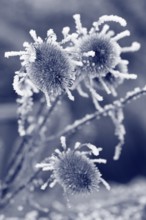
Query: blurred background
point(17, 17)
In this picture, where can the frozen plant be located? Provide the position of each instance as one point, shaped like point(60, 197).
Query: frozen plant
point(99, 52)
point(46, 65)
point(89, 58)
point(73, 169)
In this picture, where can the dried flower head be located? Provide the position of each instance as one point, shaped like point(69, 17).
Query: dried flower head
point(99, 52)
point(47, 65)
point(73, 169)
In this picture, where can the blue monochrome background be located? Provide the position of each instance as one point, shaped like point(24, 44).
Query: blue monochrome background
point(17, 17)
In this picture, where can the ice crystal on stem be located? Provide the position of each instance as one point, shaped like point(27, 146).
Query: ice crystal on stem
point(25, 89)
point(117, 117)
point(73, 169)
point(114, 110)
point(99, 52)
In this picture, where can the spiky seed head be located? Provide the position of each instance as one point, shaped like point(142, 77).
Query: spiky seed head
point(106, 54)
point(76, 173)
point(51, 70)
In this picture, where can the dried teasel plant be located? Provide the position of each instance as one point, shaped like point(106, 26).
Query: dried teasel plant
point(85, 57)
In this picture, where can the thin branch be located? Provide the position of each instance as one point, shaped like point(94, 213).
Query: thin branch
point(21, 142)
point(16, 163)
point(70, 129)
point(11, 196)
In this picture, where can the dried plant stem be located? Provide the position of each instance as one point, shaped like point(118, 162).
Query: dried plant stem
point(20, 140)
point(74, 127)
point(10, 196)
point(68, 130)
point(17, 160)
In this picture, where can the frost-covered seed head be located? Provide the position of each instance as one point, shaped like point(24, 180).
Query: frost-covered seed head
point(73, 169)
point(100, 54)
point(49, 67)
point(106, 54)
point(51, 70)
point(76, 173)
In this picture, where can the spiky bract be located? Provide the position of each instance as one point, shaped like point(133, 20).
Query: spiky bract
point(111, 81)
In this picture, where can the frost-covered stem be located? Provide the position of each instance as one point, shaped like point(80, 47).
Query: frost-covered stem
point(16, 163)
point(41, 106)
point(136, 93)
point(10, 196)
point(48, 113)
point(22, 141)
point(76, 125)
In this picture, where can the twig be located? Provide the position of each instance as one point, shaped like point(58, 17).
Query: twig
point(72, 128)
point(22, 141)
point(10, 196)
point(136, 93)
point(16, 163)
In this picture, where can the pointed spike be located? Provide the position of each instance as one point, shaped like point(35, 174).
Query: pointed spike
point(107, 186)
point(63, 142)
